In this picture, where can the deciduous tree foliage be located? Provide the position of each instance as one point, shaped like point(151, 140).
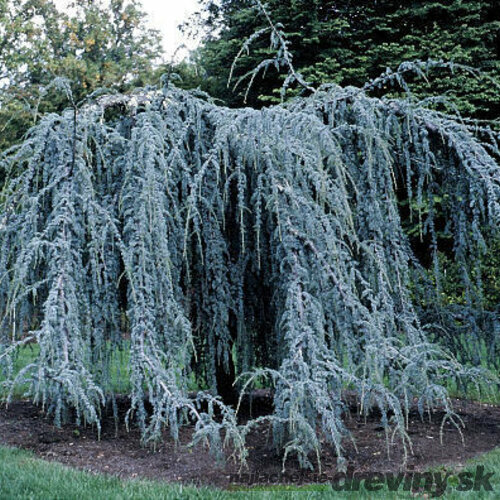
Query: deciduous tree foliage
point(263, 242)
point(94, 43)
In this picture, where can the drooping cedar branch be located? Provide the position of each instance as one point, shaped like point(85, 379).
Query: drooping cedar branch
point(267, 242)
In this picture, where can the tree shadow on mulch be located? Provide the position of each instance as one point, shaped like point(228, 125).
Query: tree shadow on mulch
point(120, 453)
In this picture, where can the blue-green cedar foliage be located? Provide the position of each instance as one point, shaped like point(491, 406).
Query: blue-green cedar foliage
point(154, 221)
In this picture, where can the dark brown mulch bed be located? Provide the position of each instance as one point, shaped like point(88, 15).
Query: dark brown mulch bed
point(23, 425)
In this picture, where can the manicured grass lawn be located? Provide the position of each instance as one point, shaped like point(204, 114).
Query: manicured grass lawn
point(120, 376)
point(22, 476)
point(119, 371)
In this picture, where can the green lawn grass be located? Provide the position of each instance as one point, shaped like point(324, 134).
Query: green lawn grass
point(120, 376)
point(24, 356)
point(24, 476)
point(119, 370)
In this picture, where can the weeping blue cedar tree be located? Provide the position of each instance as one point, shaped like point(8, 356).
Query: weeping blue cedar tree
point(271, 238)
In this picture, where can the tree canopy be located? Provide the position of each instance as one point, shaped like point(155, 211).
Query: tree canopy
point(350, 43)
point(92, 43)
point(218, 243)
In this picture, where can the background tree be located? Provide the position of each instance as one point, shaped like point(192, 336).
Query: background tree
point(350, 42)
point(93, 44)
